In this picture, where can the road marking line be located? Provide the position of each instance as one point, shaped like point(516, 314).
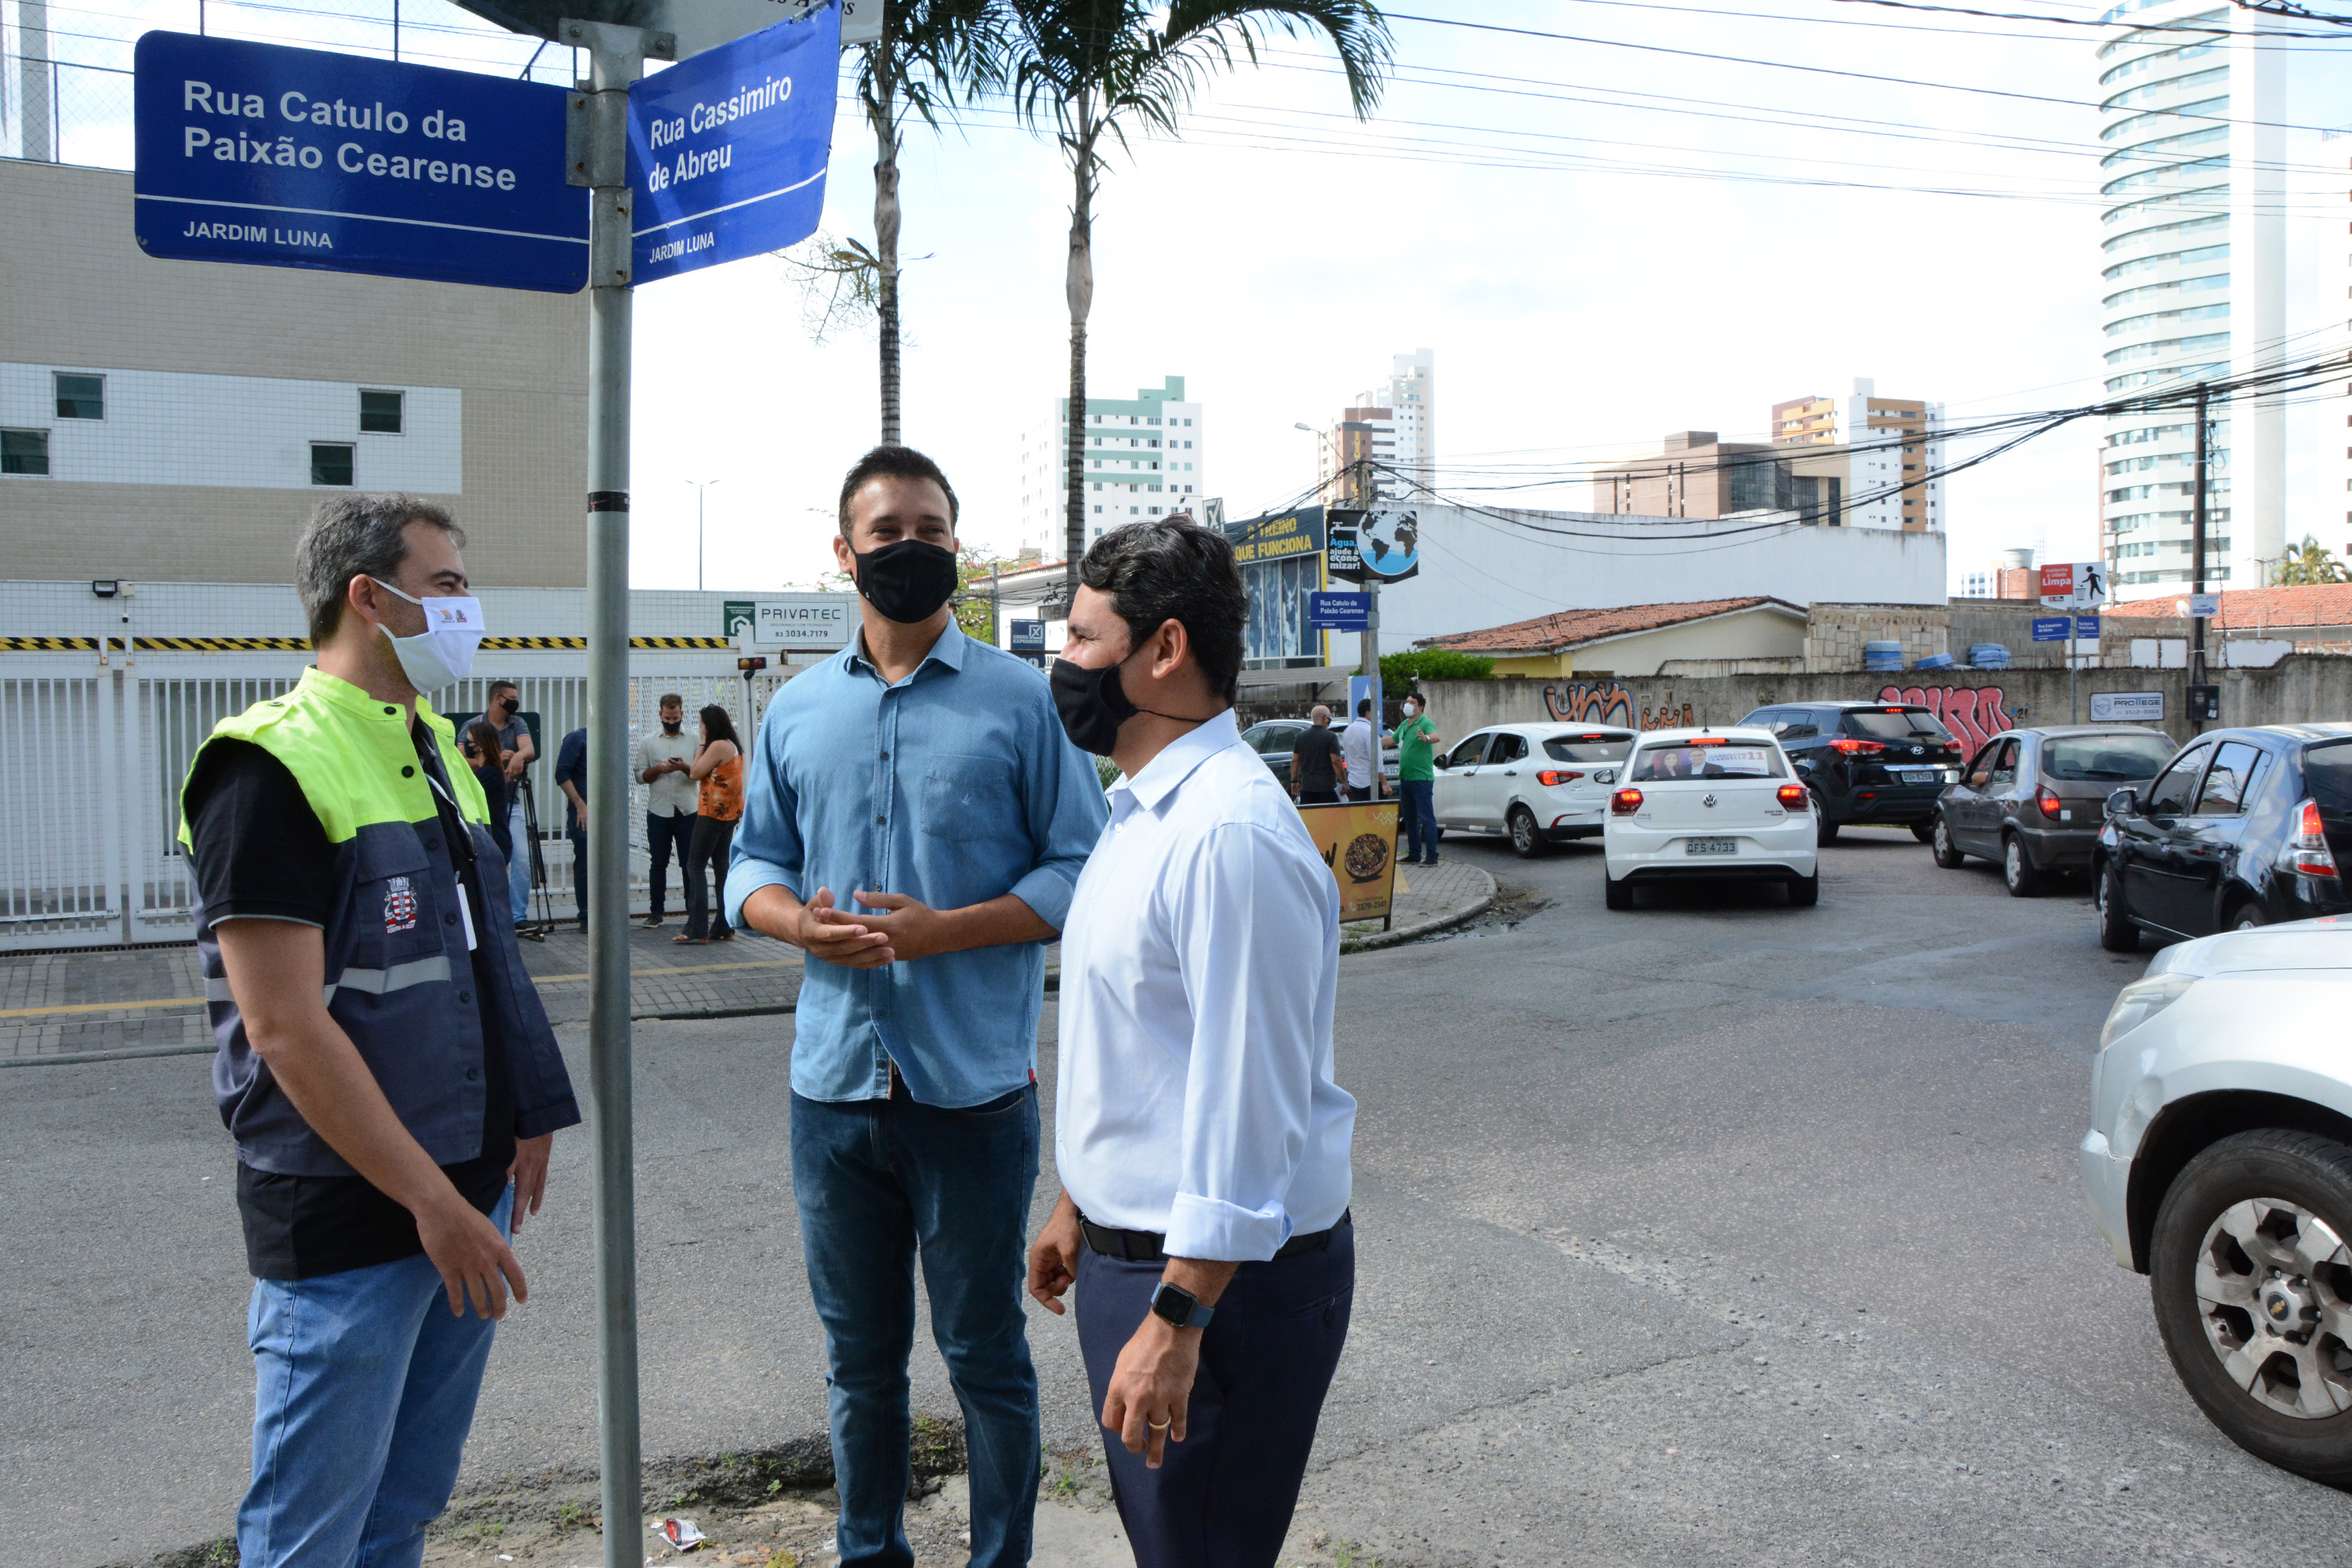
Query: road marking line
point(538, 980)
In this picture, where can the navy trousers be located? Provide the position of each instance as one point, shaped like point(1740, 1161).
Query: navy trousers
point(664, 837)
point(1223, 1497)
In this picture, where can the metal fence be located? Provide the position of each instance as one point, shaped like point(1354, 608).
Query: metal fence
point(91, 761)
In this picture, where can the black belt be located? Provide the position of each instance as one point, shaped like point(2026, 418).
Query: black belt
point(1151, 1246)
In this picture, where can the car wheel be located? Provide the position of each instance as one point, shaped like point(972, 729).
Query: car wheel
point(1947, 854)
point(1805, 892)
point(2117, 931)
point(2016, 869)
point(1925, 832)
point(1615, 894)
point(1525, 837)
point(1825, 831)
point(2247, 917)
point(2252, 1289)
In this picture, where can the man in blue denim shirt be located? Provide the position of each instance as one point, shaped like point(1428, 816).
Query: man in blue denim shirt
point(915, 819)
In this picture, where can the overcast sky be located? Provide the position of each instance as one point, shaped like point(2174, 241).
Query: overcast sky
point(1602, 244)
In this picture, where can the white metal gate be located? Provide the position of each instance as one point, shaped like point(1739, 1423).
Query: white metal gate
point(91, 761)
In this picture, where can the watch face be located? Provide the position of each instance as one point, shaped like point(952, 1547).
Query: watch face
point(1174, 1303)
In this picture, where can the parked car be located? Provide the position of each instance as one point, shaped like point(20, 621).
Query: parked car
point(1273, 738)
point(1874, 764)
point(2219, 1162)
point(1540, 784)
point(1693, 804)
point(2243, 827)
point(2033, 801)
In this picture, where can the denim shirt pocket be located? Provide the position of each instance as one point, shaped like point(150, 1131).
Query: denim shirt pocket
point(967, 798)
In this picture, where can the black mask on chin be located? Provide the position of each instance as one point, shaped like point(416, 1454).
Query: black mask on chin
point(1092, 704)
point(908, 580)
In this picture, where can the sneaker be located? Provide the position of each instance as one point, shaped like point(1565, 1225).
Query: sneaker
point(653, 922)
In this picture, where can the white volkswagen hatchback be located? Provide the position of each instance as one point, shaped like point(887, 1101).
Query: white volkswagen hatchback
point(1709, 804)
point(2218, 1164)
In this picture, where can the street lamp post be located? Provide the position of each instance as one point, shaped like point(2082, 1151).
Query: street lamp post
point(700, 488)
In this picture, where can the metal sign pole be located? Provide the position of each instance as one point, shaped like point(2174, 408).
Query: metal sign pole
point(600, 160)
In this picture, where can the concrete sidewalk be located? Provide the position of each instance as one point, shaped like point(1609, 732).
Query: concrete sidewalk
point(109, 1003)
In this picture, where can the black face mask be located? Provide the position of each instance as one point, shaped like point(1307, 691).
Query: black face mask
point(908, 580)
point(1092, 704)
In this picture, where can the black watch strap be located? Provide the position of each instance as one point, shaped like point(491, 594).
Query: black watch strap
point(1180, 1306)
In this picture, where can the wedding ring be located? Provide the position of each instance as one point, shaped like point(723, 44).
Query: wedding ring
point(1161, 1426)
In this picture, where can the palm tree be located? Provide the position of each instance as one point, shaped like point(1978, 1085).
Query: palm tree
point(2309, 562)
point(1092, 69)
point(930, 53)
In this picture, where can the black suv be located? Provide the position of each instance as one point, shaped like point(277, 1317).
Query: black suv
point(2244, 828)
point(1871, 764)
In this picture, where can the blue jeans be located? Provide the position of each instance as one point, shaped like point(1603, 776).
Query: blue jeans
point(1417, 816)
point(518, 865)
point(877, 1181)
point(363, 1393)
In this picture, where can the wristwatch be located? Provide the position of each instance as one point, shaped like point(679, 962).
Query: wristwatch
point(1180, 1306)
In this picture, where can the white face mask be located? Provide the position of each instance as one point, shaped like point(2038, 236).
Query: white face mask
point(443, 652)
point(1412, 710)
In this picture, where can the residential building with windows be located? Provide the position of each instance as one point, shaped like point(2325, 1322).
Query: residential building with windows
point(1880, 455)
point(1383, 445)
point(1146, 456)
point(2192, 274)
point(180, 421)
point(1696, 474)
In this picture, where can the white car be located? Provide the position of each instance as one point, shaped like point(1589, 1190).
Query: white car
point(2220, 1164)
point(1541, 784)
point(1693, 804)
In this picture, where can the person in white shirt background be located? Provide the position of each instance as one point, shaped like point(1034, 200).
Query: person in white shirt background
point(1201, 1141)
point(1359, 746)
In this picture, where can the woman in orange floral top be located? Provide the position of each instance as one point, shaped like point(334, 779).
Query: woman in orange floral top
point(719, 768)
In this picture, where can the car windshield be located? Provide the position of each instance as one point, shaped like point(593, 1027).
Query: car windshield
point(1717, 760)
point(1588, 747)
point(2327, 774)
point(1893, 724)
point(2106, 759)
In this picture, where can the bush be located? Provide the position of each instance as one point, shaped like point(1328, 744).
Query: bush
point(1401, 672)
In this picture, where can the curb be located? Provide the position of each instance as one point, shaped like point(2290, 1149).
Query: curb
point(1378, 940)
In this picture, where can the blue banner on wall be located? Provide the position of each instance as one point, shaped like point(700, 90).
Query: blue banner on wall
point(281, 157)
point(728, 150)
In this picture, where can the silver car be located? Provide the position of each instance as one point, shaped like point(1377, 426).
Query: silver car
point(2220, 1164)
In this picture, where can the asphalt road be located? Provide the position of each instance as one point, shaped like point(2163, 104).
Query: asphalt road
point(1715, 1231)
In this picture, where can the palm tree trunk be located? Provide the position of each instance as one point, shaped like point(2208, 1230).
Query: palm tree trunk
point(1080, 288)
point(882, 109)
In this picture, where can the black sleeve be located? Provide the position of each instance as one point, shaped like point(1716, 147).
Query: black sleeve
point(259, 851)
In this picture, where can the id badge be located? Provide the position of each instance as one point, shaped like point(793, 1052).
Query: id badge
point(465, 913)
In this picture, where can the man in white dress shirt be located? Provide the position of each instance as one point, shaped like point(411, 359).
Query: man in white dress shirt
point(1201, 1141)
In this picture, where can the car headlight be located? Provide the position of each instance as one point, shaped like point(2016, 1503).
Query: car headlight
point(2140, 1002)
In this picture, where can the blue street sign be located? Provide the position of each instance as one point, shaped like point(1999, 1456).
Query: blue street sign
point(2087, 629)
point(1339, 612)
point(2051, 629)
point(1028, 637)
point(284, 157)
point(728, 150)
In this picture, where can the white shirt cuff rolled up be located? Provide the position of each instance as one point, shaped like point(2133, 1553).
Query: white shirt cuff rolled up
point(1221, 1232)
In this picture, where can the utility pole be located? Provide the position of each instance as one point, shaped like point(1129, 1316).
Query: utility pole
point(598, 150)
point(2197, 548)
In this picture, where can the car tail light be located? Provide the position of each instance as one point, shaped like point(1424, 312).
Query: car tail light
point(2049, 801)
point(2309, 850)
point(1855, 748)
point(1792, 796)
point(1551, 778)
point(1625, 803)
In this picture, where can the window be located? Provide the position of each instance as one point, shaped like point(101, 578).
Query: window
point(80, 396)
point(2004, 766)
point(1509, 749)
point(380, 413)
point(1467, 753)
point(330, 463)
point(1678, 760)
point(2106, 759)
point(2171, 793)
point(2227, 786)
point(1899, 724)
point(1588, 747)
point(24, 451)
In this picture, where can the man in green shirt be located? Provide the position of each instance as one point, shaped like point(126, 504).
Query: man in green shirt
point(1417, 740)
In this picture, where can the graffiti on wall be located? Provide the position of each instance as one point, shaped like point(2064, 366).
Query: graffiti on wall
point(1608, 702)
point(1590, 702)
point(1972, 713)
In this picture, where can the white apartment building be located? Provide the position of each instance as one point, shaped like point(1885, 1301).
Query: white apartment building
point(1145, 456)
point(2193, 279)
point(1881, 455)
point(1394, 424)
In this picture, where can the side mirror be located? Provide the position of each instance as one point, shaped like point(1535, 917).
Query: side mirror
point(2124, 802)
point(1605, 776)
point(1443, 762)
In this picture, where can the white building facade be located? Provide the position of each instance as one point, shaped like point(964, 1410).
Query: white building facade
point(1146, 456)
point(2193, 277)
point(1886, 455)
point(1394, 424)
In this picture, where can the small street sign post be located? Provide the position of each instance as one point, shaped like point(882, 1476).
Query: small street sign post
point(2204, 606)
point(281, 157)
point(2073, 585)
point(1028, 640)
point(1339, 612)
point(2051, 629)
